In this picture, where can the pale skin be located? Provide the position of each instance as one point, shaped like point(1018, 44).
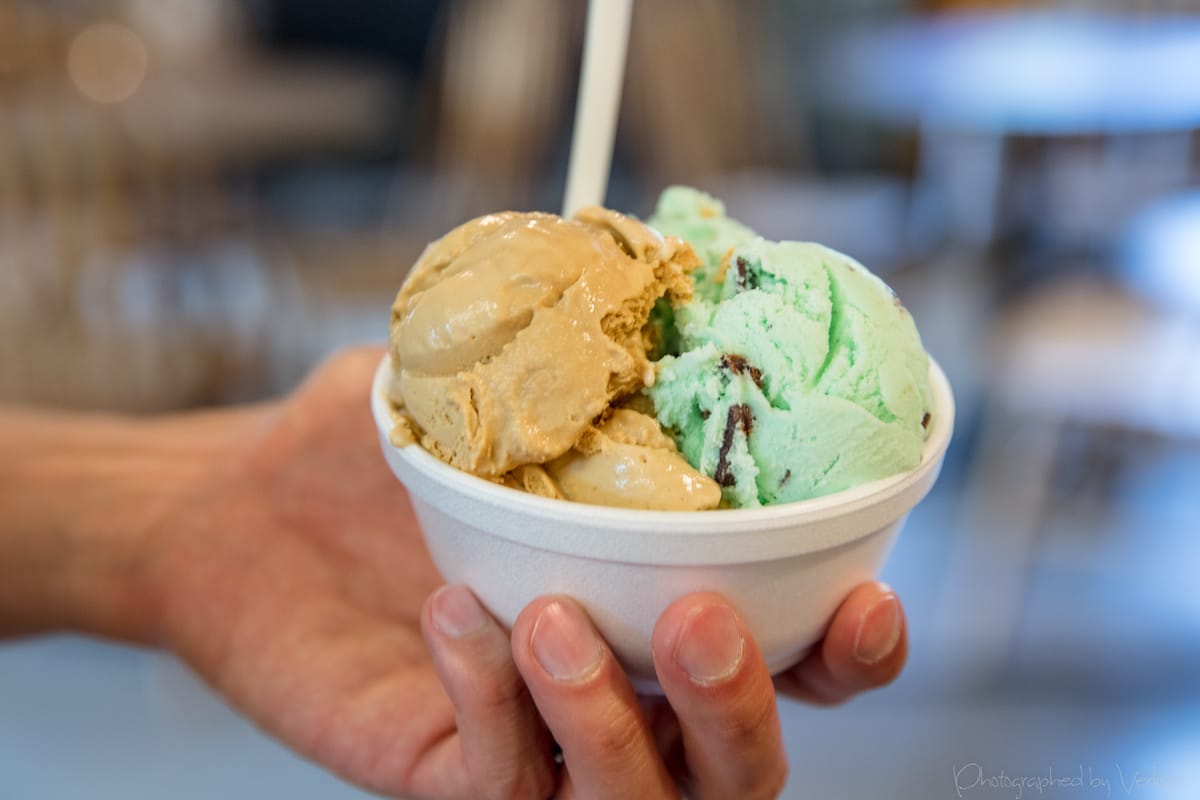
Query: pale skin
point(273, 551)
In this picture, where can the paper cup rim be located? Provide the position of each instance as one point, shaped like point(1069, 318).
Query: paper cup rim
point(889, 497)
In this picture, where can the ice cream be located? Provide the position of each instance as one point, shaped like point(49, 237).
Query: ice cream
point(796, 373)
point(522, 349)
point(699, 219)
point(516, 334)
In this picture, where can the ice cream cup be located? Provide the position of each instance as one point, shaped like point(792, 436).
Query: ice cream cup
point(786, 568)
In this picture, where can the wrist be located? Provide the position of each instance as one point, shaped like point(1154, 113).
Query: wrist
point(90, 502)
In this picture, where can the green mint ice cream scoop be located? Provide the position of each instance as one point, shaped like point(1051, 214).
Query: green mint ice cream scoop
point(793, 373)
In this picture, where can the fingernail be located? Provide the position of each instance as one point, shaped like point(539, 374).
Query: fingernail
point(456, 612)
point(710, 646)
point(564, 643)
point(878, 630)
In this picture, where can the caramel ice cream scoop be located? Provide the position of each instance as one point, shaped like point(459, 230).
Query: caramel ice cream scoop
point(515, 335)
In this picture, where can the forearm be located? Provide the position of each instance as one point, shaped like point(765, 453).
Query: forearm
point(84, 499)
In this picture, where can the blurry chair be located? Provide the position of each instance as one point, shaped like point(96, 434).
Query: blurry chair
point(697, 89)
point(715, 96)
point(131, 275)
point(1091, 353)
point(506, 73)
point(96, 309)
point(1078, 356)
point(187, 34)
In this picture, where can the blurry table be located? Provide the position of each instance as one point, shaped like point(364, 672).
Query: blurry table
point(1026, 73)
point(969, 83)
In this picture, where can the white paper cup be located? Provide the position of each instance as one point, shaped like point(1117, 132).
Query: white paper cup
point(786, 568)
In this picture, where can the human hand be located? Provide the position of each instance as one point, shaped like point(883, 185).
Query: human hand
point(294, 579)
point(715, 733)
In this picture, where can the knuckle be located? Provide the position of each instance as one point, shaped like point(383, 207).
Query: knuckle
point(749, 720)
point(747, 730)
point(518, 782)
point(503, 690)
point(617, 737)
point(480, 673)
point(757, 780)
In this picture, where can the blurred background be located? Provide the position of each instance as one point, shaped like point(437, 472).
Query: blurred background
point(200, 198)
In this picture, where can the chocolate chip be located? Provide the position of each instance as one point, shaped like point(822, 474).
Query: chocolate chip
point(738, 365)
point(740, 416)
point(925, 420)
point(745, 278)
point(705, 413)
point(787, 476)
